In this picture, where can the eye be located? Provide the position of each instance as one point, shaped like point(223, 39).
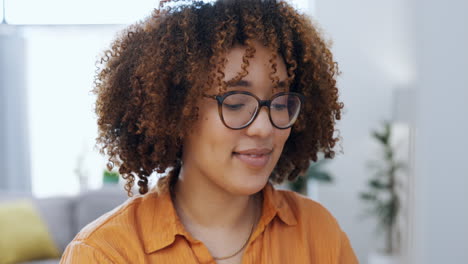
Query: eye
point(278, 106)
point(233, 107)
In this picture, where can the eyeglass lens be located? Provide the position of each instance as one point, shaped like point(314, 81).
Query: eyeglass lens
point(239, 109)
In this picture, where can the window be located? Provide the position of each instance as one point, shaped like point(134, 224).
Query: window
point(62, 123)
point(1, 10)
point(53, 12)
point(306, 6)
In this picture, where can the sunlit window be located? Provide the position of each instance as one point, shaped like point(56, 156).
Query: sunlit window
point(53, 12)
point(61, 66)
point(305, 6)
point(77, 12)
point(1, 10)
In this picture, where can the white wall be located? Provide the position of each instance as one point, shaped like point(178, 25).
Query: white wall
point(373, 48)
point(441, 201)
point(420, 44)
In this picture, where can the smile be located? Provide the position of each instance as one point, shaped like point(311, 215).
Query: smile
point(257, 160)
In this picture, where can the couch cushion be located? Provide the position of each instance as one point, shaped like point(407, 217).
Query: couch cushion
point(92, 204)
point(24, 235)
point(45, 261)
point(58, 215)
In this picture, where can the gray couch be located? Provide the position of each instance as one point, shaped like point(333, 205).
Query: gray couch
point(65, 216)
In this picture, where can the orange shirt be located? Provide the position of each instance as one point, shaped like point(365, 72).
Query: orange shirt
point(146, 229)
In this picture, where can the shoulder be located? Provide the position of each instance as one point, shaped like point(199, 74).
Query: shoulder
point(81, 252)
point(119, 221)
point(317, 226)
point(112, 236)
point(310, 214)
point(306, 208)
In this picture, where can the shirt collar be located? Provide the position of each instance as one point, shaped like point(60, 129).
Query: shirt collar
point(275, 203)
point(159, 223)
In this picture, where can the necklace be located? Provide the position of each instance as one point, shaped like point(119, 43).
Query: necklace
point(245, 243)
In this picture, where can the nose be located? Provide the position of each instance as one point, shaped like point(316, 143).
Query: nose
point(261, 126)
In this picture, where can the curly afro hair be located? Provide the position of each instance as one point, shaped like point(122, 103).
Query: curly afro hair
point(147, 84)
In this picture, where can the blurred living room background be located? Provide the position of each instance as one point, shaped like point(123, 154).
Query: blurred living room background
point(404, 84)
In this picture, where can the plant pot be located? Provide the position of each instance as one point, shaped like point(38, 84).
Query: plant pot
point(378, 258)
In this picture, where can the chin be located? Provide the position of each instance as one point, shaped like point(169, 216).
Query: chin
point(249, 186)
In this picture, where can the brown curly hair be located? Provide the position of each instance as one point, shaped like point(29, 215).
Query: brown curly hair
point(147, 84)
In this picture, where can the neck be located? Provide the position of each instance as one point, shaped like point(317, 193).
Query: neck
point(205, 205)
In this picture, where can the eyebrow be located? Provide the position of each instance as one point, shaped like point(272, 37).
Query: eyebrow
point(244, 83)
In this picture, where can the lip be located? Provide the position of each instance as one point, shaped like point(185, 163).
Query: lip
point(255, 157)
point(255, 151)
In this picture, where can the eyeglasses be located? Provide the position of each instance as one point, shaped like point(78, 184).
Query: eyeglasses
point(238, 109)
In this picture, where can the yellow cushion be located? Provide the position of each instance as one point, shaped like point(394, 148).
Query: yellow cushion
point(23, 234)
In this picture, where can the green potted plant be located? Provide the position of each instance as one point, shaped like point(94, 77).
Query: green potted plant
point(110, 177)
point(382, 195)
point(315, 172)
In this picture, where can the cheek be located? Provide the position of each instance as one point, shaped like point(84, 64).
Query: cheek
point(282, 136)
point(280, 141)
point(208, 124)
point(214, 133)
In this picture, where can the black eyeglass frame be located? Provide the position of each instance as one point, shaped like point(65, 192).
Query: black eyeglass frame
point(220, 99)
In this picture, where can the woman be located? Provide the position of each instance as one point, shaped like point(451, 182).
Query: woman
point(228, 97)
